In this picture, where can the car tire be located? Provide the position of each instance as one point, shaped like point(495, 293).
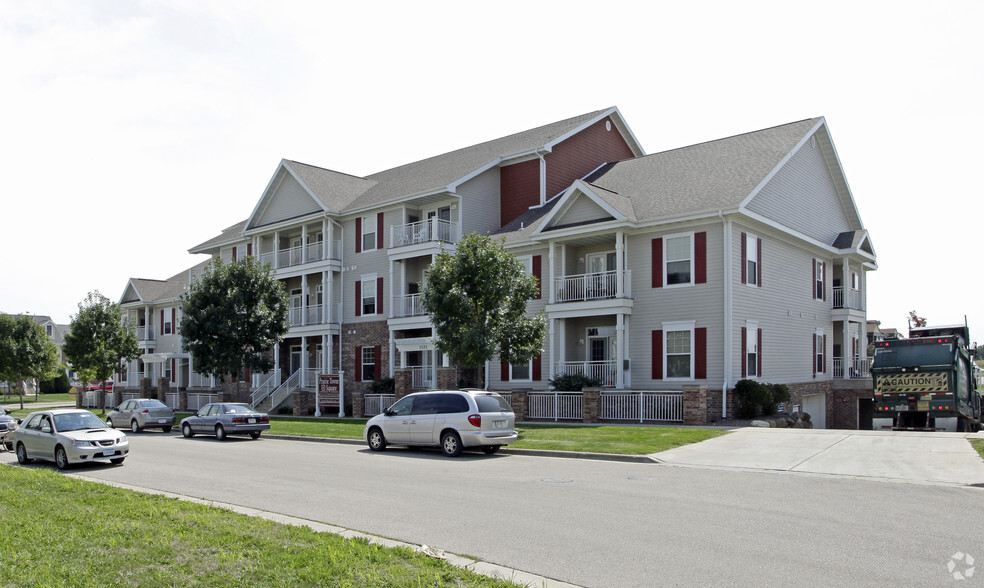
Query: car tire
point(109, 423)
point(117, 460)
point(451, 444)
point(490, 449)
point(61, 459)
point(135, 427)
point(166, 429)
point(186, 431)
point(254, 434)
point(220, 433)
point(22, 457)
point(376, 439)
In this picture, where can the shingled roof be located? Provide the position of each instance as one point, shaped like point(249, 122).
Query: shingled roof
point(150, 291)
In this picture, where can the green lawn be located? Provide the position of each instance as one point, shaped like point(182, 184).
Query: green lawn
point(60, 531)
point(29, 398)
point(978, 444)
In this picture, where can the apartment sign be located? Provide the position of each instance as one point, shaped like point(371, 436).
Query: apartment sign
point(328, 390)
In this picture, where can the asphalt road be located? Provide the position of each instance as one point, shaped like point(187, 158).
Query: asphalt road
point(591, 523)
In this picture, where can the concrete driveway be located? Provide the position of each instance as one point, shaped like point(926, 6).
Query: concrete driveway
point(903, 456)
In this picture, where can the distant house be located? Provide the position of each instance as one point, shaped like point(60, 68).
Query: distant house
point(697, 267)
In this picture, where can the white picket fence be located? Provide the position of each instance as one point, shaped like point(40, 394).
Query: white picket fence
point(615, 406)
point(377, 403)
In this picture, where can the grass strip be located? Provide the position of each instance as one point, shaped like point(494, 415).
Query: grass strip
point(978, 444)
point(61, 531)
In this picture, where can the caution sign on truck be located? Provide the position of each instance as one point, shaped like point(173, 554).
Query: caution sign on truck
point(913, 383)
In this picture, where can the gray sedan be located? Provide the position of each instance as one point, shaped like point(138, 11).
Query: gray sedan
point(226, 418)
point(7, 426)
point(142, 413)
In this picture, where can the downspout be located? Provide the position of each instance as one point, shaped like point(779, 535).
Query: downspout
point(727, 331)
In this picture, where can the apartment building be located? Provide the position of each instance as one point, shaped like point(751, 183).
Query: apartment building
point(743, 257)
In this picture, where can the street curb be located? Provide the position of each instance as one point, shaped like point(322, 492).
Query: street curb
point(510, 451)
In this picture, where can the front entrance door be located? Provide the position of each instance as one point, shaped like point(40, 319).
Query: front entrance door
point(295, 358)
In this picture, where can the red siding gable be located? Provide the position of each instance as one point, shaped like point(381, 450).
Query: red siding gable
point(519, 189)
point(579, 155)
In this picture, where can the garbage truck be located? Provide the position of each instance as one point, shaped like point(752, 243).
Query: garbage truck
point(926, 382)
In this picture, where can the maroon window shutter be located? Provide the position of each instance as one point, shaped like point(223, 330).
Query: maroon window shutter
point(824, 343)
point(700, 353)
point(825, 285)
point(378, 359)
point(358, 298)
point(174, 319)
point(358, 234)
point(744, 266)
point(700, 258)
point(504, 372)
point(379, 230)
point(657, 355)
point(758, 354)
point(249, 249)
point(379, 296)
point(813, 288)
point(174, 370)
point(758, 263)
point(744, 353)
point(658, 262)
point(234, 251)
point(537, 364)
point(358, 363)
point(539, 278)
point(813, 358)
point(161, 327)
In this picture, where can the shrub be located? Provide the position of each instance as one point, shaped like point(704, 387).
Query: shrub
point(754, 398)
point(382, 386)
point(573, 382)
point(57, 385)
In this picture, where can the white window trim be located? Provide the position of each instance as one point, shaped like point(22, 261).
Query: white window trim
point(363, 364)
point(751, 241)
point(527, 379)
point(820, 278)
point(369, 221)
point(368, 279)
point(527, 261)
point(678, 326)
point(167, 321)
point(751, 346)
point(666, 249)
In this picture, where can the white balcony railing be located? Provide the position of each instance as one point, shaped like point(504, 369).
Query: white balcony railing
point(408, 305)
point(300, 316)
point(377, 403)
point(595, 286)
point(848, 298)
point(423, 377)
point(600, 370)
point(312, 252)
point(145, 334)
point(857, 368)
point(432, 229)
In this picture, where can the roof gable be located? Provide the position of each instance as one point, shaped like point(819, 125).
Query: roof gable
point(582, 205)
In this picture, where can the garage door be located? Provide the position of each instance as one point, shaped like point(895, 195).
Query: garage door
point(815, 405)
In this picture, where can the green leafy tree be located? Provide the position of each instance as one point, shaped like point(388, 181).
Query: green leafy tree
point(476, 296)
point(26, 352)
point(99, 340)
point(231, 315)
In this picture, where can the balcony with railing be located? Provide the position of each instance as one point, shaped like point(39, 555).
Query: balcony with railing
point(312, 252)
point(425, 231)
point(604, 371)
point(146, 334)
point(301, 316)
point(408, 305)
point(594, 286)
point(856, 368)
point(850, 298)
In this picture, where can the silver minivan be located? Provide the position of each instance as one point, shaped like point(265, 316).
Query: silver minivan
point(450, 419)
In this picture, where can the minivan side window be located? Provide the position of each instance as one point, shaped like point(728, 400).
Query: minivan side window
point(402, 407)
point(426, 404)
point(452, 403)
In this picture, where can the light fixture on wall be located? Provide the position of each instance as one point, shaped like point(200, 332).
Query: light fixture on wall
point(580, 341)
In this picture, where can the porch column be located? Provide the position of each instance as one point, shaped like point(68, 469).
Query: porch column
point(304, 361)
point(562, 334)
point(392, 290)
point(276, 357)
point(392, 354)
point(551, 279)
point(276, 250)
point(620, 272)
point(326, 279)
point(304, 243)
point(304, 297)
point(552, 357)
point(325, 306)
point(846, 349)
point(619, 351)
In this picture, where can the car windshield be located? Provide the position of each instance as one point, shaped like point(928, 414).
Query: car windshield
point(238, 408)
point(152, 404)
point(75, 421)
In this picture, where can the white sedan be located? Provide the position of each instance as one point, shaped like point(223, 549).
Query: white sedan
point(68, 436)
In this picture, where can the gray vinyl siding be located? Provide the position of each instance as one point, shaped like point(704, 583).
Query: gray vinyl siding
point(290, 201)
point(783, 307)
point(583, 210)
point(701, 303)
point(480, 203)
point(802, 197)
point(367, 262)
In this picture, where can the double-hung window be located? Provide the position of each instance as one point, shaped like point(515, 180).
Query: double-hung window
point(679, 354)
point(819, 345)
point(520, 372)
point(167, 326)
point(819, 279)
point(750, 338)
point(368, 233)
point(751, 260)
point(368, 363)
point(368, 302)
point(679, 253)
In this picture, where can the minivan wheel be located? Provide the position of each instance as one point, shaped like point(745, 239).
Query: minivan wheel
point(490, 449)
point(451, 444)
point(377, 442)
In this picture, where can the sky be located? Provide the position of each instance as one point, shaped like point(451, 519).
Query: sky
point(133, 131)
